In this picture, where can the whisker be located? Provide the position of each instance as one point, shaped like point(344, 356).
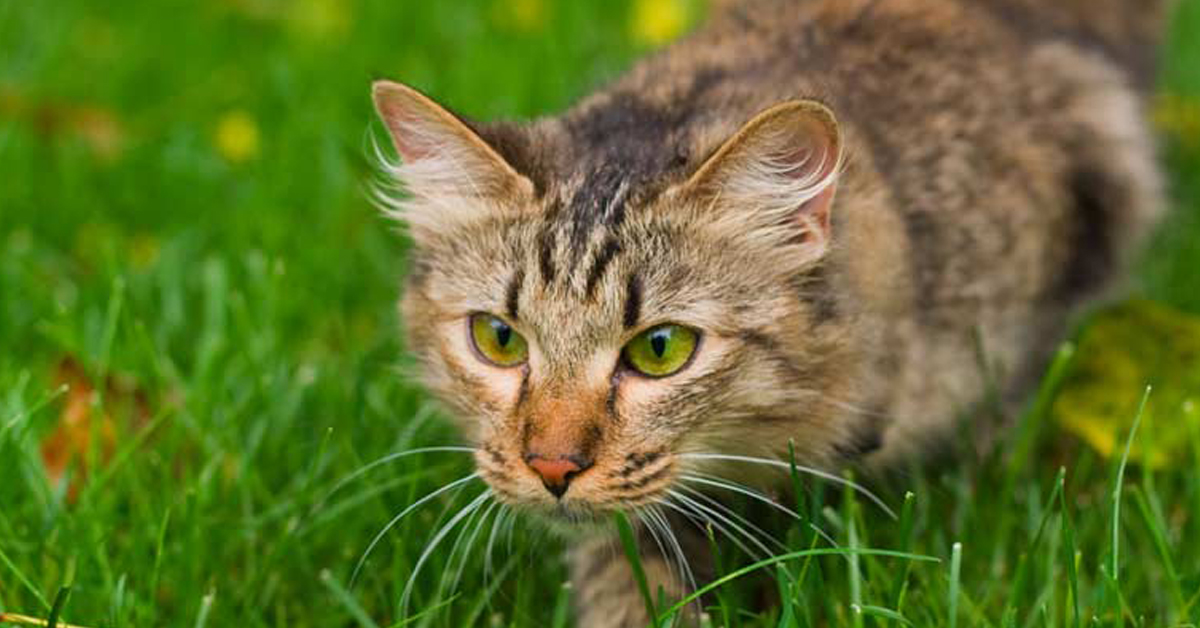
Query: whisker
point(720, 522)
point(363, 470)
point(378, 537)
point(454, 554)
point(437, 539)
point(707, 525)
point(643, 517)
point(860, 489)
point(497, 524)
point(696, 519)
point(734, 516)
point(470, 545)
point(719, 482)
point(512, 522)
point(673, 539)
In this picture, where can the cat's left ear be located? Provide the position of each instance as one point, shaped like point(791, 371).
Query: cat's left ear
point(451, 173)
point(774, 180)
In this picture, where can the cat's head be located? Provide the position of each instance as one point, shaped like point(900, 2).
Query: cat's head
point(603, 320)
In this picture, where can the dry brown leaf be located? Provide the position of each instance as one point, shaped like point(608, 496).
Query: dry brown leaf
point(99, 128)
point(86, 415)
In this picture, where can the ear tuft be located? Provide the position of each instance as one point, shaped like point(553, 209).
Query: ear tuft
point(448, 171)
point(775, 178)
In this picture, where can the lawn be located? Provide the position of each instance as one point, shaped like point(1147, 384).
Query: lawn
point(199, 350)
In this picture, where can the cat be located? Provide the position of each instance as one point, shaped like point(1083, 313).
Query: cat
point(797, 229)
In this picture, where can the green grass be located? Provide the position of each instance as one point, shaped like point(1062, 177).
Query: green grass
point(240, 301)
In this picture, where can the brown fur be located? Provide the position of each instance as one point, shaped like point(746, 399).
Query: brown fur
point(992, 172)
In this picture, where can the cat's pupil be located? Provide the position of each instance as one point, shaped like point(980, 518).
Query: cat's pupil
point(658, 342)
point(503, 335)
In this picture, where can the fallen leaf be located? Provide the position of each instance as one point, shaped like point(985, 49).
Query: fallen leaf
point(1120, 352)
point(100, 130)
point(86, 416)
point(97, 127)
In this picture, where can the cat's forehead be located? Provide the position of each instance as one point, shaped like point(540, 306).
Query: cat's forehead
point(613, 152)
point(600, 276)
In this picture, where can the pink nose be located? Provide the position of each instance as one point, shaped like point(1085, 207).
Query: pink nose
point(556, 473)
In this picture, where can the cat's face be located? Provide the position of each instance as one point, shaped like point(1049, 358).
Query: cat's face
point(595, 354)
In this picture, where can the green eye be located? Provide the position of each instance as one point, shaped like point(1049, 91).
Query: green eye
point(661, 351)
point(496, 341)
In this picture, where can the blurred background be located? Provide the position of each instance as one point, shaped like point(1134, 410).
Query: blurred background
point(198, 336)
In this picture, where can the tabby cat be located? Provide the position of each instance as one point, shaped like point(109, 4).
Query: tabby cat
point(804, 226)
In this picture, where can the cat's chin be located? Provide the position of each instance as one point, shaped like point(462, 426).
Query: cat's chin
point(569, 521)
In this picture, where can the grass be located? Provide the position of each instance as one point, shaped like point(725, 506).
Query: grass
point(199, 344)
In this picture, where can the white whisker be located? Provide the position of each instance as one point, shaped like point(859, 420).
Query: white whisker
point(651, 525)
point(733, 516)
point(720, 521)
point(497, 524)
point(512, 522)
point(719, 482)
point(386, 459)
point(432, 545)
point(809, 470)
point(470, 545)
point(378, 537)
point(673, 540)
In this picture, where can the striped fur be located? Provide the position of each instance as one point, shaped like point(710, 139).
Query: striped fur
point(850, 199)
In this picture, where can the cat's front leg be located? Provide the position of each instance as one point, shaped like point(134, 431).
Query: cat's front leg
point(606, 592)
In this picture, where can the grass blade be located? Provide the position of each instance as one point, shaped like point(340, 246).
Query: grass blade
point(1022, 573)
point(60, 601)
point(1068, 540)
point(347, 600)
point(1119, 483)
point(955, 573)
point(751, 568)
point(881, 612)
point(1154, 523)
point(206, 604)
point(24, 580)
point(906, 538)
point(562, 606)
point(629, 543)
point(25, 620)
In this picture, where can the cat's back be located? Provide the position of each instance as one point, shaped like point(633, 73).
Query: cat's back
point(999, 131)
point(999, 167)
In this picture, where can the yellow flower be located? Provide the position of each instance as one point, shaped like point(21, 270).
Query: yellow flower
point(656, 22)
point(236, 137)
point(525, 15)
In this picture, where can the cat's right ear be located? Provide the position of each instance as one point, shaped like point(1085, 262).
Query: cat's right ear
point(450, 173)
point(774, 180)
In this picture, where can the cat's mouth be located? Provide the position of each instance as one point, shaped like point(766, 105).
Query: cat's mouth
point(595, 506)
point(567, 519)
point(572, 499)
point(588, 502)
